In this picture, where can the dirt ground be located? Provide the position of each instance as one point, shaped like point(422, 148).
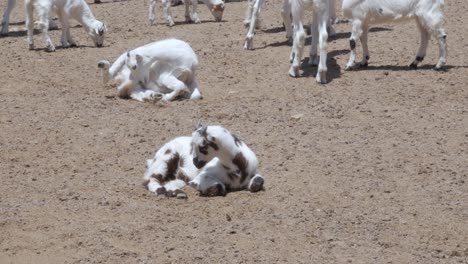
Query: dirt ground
point(373, 171)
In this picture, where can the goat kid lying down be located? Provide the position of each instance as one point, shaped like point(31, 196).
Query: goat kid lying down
point(213, 161)
point(161, 70)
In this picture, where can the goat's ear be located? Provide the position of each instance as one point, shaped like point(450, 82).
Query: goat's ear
point(102, 30)
point(202, 131)
point(128, 54)
point(198, 125)
point(139, 58)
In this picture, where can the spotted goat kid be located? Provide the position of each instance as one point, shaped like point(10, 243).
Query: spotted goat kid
point(213, 161)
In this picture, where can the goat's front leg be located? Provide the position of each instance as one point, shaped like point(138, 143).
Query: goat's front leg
point(365, 48)
point(195, 18)
point(167, 12)
point(43, 10)
point(425, 36)
point(65, 31)
point(299, 40)
point(356, 32)
point(151, 16)
point(321, 76)
point(172, 83)
point(188, 18)
point(28, 5)
point(286, 15)
point(250, 34)
point(6, 17)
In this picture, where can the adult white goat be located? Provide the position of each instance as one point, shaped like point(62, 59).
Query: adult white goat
point(216, 8)
point(162, 69)
point(252, 18)
point(319, 36)
point(65, 9)
point(213, 161)
point(427, 13)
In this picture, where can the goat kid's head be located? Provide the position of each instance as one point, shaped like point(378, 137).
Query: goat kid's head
point(134, 61)
point(97, 33)
point(216, 8)
point(204, 146)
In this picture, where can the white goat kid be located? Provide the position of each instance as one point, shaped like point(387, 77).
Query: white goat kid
point(319, 36)
point(6, 18)
point(427, 13)
point(216, 8)
point(162, 69)
point(65, 9)
point(213, 161)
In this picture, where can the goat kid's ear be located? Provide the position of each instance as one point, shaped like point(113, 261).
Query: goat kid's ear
point(198, 125)
point(202, 131)
point(139, 58)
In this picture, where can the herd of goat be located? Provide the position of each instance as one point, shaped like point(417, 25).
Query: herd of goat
point(214, 160)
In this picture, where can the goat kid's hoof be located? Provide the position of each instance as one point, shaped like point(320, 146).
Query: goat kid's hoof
point(321, 77)
point(294, 71)
point(50, 48)
point(215, 190)
point(413, 66)
point(248, 44)
point(31, 46)
point(314, 60)
point(257, 184)
point(103, 64)
point(161, 191)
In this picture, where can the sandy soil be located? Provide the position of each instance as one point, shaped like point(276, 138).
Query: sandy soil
point(375, 170)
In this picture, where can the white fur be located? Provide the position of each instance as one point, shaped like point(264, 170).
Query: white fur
point(6, 18)
point(65, 9)
point(428, 15)
point(216, 8)
point(319, 36)
point(252, 18)
point(159, 70)
point(208, 161)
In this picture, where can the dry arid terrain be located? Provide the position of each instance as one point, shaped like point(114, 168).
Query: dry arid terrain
point(370, 168)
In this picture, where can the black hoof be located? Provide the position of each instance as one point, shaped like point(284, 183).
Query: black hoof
point(413, 66)
point(161, 191)
point(363, 65)
point(257, 184)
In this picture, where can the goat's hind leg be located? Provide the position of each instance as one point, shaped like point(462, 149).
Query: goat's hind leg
point(356, 32)
point(172, 83)
point(43, 10)
point(251, 32)
point(299, 40)
point(151, 16)
point(6, 17)
point(167, 12)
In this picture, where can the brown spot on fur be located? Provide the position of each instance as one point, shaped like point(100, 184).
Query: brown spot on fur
point(172, 166)
point(182, 176)
point(181, 162)
point(145, 183)
point(237, 141)
point(213, 145)
point(240, 161)
point(168, 151)
point(157, 177)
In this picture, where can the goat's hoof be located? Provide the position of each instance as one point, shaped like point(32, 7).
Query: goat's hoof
point(215, 190)
point(440, 69)
point(321, 77)
point(31, 46)
point(103, 64)
point(3, 34)
point(161, 191)
point(248, 44)
point(197, 21)
point(257, 184)
point(293, 71)
point(413, 66)
point(313, 60)
point(51, 49)
point(363, 65)
point(350, 67)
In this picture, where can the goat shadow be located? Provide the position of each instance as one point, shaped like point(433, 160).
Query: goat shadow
point(24, 33)
point(176, 23)
point(334, 69)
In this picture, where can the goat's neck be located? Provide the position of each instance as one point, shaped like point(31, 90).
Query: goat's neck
point(227, 155)
point(85, 17)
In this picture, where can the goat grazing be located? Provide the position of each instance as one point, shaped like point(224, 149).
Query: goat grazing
point(213, 161)
point(429, 18)
point(159, 70)
point(65, 9)
point(216, 8)
point(319, 36)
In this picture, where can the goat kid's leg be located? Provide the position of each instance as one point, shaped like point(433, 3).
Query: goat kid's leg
point(321, 76)
point(365, 48)
point(286, 15)
point(195, 18)
point(314, 30)
point(331, 18)
point(195, 92)
point(442, 39)
point(356, 32)
point(167, 12)
point(251, 32)
point(65, 31)
point(174, 84)
point(425, 36)
point(256, 183)
point(299, 40)
point(248, 13)
point(43, 10)
point(151, 16)
point(174, 189)
point(30, 22)
point(188, 18)
point(6, 17)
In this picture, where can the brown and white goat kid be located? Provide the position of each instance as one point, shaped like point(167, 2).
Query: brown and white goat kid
point(65, 9)
point(216, 8)
point(213, 161)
